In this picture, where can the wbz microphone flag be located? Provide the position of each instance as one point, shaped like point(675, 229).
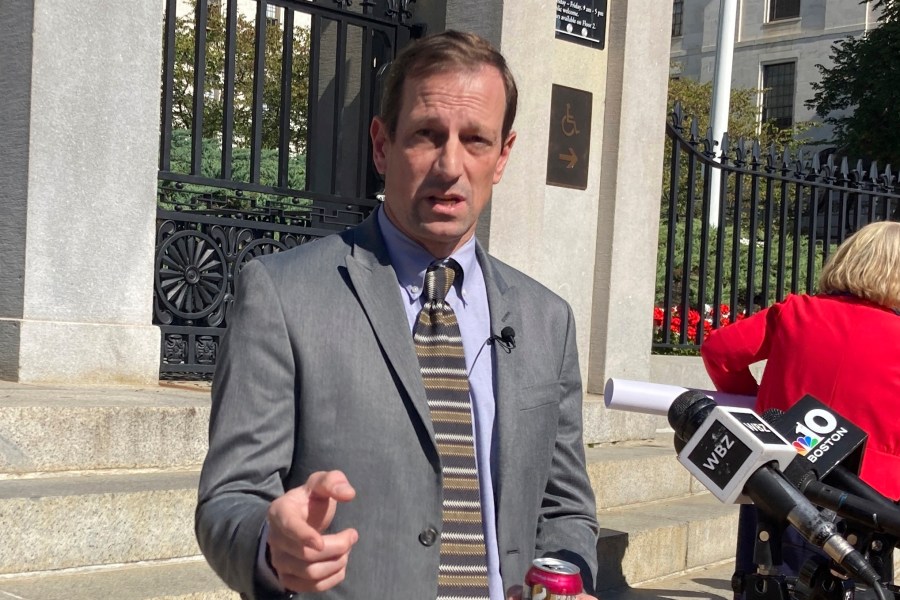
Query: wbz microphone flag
point(730, 445)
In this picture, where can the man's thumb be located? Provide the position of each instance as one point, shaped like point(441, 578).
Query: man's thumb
point(325, 490)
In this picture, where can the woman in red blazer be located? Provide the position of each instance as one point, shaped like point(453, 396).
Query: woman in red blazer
point(841, 346)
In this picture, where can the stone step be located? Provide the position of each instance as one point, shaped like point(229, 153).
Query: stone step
point(602, 425)
point(637, 472)
point(710, 582)
point(53, 428)
point(50, 429)
point(45, 428)
point(96, 519)
point(187, 580)
point(100, 519)
point(643, 542)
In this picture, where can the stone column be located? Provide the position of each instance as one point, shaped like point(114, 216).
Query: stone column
point(79, 133)
point(628, 227)
point(595, 247)
point(546, 231)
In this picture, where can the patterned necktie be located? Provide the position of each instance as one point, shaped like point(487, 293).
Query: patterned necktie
point(463, 567)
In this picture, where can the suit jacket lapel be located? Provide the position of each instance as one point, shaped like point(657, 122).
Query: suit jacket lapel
point(505, 311)
point(375, 284)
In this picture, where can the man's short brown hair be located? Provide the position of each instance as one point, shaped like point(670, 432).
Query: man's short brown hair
point(441, 53)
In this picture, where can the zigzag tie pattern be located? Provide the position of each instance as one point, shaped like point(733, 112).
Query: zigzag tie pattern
point(462, 574)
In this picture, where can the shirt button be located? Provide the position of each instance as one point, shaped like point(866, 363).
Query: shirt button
point(414, 289)
point(428, 536)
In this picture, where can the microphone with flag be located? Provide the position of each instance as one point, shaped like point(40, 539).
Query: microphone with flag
point(830, 449)
point(738, 456)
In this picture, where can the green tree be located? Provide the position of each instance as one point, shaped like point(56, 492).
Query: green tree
point(743, 113)
point(859, 94)
point(743, 122)
point(245, 56)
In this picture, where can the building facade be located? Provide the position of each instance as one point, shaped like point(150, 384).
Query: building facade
point(82, 127)
point(778, 44)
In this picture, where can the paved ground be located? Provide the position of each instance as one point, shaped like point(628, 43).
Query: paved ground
point(709, 583)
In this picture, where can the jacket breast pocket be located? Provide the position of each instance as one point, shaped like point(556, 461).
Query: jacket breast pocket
point(539, 413)
point(535, 431)
point(540, 396)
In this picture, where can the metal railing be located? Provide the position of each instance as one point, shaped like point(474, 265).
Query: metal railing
point(780, 215)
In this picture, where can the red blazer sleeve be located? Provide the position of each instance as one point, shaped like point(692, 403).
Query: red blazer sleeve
point(729, 351)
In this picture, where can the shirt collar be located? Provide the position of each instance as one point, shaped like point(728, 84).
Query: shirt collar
point(410, 260)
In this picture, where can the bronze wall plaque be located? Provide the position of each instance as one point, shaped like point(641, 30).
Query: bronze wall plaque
point(570, 137)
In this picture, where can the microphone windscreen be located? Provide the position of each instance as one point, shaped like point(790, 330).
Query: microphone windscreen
point(685, 413)
point(772, 416)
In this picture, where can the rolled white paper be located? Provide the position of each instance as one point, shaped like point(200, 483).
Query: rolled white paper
point(656, 398)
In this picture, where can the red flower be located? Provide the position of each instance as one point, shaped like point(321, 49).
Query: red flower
point(694, 320)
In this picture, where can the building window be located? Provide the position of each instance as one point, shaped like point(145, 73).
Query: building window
point(271, 14)
point(784, 9)
point(778, 94)
point(677, 17)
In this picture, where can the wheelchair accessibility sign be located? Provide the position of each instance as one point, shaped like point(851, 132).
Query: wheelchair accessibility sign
point(570, 137)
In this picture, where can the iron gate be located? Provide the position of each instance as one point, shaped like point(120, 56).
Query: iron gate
point(264, 145)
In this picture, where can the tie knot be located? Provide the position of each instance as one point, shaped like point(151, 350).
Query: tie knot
point(439, 278)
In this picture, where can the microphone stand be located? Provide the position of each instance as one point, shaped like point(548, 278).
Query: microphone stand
point(822, 579)
point(766, 583)
point(871, 523)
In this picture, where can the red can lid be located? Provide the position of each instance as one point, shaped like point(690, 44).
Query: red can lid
point(564, 575)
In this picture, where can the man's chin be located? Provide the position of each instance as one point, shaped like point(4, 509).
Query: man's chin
point(443, 237)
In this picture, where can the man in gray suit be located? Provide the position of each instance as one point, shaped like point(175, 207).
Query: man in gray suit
point(323, 473)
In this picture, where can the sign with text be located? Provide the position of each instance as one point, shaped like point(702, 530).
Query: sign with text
point(582, 22)
point(570, 137)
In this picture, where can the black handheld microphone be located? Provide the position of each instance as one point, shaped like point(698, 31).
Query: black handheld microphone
point(506, 339)
point(731, 450)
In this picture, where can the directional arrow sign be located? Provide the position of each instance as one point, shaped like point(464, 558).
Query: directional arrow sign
point(571, 158)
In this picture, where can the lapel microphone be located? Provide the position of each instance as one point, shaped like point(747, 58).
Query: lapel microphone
point(506, 339)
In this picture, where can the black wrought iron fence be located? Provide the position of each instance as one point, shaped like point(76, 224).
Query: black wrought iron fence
point(264, 145)
point(779, 216)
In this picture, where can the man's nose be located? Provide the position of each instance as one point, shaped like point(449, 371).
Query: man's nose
point(449, 163)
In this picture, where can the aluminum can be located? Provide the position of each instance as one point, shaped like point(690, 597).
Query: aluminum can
point(552, 579)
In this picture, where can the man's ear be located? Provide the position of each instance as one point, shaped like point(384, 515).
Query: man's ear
point(504, 156)
point(379, 133)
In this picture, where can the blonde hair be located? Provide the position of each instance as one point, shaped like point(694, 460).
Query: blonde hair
point(867, 265)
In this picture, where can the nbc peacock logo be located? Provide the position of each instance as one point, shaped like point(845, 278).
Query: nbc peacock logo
point(805, 443)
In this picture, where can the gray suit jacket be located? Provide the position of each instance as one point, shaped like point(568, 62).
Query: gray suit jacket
point(318, 371)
